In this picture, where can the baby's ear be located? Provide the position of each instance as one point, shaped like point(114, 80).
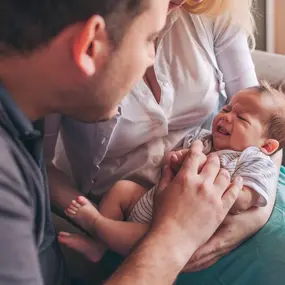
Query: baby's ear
point(270, 146)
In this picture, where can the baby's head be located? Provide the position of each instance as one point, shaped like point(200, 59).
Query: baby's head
point(254, 117)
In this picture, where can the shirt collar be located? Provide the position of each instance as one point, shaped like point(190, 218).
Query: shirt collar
point(23, 126)
point(171, 19)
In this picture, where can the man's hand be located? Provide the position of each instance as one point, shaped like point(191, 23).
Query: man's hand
point(234, 231)
point(190, 207)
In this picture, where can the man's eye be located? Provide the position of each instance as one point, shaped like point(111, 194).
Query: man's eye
point(224, 110)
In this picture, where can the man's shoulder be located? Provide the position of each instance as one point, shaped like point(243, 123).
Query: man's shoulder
point(13, 178)
point(15, 165)
point(7, 145)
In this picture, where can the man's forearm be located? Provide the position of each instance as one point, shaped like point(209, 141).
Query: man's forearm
point(155, 261)
point(61, 190)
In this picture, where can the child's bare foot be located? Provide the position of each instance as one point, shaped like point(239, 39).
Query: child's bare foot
point(83, 213)
point(90, 248)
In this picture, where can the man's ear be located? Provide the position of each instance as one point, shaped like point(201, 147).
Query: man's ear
point(90, 44)
point(270, 146)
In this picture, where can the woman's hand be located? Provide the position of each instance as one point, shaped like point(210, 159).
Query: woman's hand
point(234, 230)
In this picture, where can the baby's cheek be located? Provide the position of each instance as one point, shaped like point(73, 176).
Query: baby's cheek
point(240, 142)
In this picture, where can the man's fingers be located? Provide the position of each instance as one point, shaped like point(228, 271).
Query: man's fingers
point(166, 178)
point(232, 193)
point(211, 168)
point(192, 159)
point(223, 180)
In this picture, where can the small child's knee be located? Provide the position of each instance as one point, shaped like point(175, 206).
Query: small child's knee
point(123, 186)
point(126, 188)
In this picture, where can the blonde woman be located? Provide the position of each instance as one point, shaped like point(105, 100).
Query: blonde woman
point(202, 59)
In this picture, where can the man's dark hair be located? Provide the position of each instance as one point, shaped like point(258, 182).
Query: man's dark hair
point(25, 25)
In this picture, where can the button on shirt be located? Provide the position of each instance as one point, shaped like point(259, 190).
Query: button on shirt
point(80, 147)
point(200, 63)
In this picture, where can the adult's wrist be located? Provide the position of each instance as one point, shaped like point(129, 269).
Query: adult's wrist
point(174, 246)
point(157, 259)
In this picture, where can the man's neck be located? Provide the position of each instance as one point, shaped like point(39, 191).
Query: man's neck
point(23, 80)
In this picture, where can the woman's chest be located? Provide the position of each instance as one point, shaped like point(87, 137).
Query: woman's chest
point(187, 82)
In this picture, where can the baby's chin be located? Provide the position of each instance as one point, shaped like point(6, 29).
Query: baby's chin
point(218, 144)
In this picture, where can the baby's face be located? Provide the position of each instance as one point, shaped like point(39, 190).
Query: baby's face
point(240, 124)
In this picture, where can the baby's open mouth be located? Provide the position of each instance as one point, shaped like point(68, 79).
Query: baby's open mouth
point(223, 131)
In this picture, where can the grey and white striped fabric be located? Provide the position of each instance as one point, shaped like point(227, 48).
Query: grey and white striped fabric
point(257, 170)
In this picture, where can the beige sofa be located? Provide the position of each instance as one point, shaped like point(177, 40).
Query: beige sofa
point(269, 66)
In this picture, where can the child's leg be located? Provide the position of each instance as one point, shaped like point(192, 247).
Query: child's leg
point(116, 205)
point(119, 236)
point(118, 202)
point(92, 249)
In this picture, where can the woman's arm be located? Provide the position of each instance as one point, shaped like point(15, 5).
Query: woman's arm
point(234, 231)
point(247, 198)
point(233, 56)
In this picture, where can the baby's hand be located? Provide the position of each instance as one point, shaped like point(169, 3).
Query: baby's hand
point(246, 199)
point(175, 159)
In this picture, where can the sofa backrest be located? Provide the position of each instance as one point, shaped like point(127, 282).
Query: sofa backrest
point(269, 66)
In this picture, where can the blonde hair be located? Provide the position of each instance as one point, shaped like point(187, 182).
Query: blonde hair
point(240, 13)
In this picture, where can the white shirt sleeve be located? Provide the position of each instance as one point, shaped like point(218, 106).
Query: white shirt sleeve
point(258, 172)
point(233, 56)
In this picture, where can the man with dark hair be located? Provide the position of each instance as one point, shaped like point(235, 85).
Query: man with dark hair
point(79, 58)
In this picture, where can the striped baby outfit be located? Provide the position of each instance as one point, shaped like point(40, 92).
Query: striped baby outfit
point(257, 170)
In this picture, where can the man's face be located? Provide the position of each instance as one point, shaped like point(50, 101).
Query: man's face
point(98, 97)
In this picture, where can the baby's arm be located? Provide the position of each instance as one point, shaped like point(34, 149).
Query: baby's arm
point(246, 199)
point(259, 175)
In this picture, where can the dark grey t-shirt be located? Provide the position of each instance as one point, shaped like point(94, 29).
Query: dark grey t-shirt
point(29, 251)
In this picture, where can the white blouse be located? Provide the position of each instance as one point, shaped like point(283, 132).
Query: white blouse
point(199, 60)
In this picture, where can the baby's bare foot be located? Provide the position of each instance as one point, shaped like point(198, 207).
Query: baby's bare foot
point(83, 213)
point(91, 249)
